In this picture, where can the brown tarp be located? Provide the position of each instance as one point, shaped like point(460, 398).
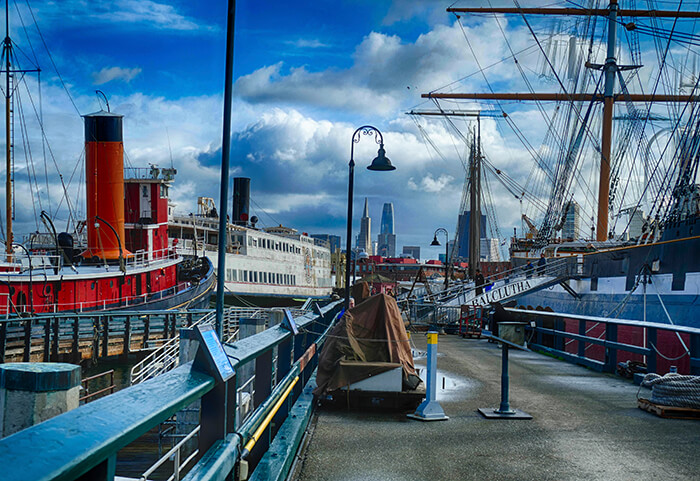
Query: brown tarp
point(360, 292)
point(372, 332)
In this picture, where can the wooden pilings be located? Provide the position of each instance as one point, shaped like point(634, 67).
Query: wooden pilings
point(74, 337)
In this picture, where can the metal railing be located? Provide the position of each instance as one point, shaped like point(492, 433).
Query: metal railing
point(466, 293)
point(167, 356)
point(601, 343)
point(175, 454)
point(86, 386)
point(83, 443)
point(49, 262)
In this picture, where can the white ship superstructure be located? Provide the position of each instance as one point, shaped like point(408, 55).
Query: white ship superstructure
point(275, 262)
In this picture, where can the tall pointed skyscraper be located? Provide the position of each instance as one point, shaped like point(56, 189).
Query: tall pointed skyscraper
point(365, 239)
point(386, 245)
point(387, 219)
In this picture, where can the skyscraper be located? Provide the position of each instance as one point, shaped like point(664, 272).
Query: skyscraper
point(387, 219)
point(386, 245)
point(572, 222)
point(463, 233)
point(364, 240)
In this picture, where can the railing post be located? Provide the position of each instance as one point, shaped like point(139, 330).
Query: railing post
point(166, 326)
point(610, 352)
point(218, 411)
point(105, 336)
point(105, 471)
point(263, 388)
point(95, 338)
point(3, 340)
point(76, 340)
point(695, 354)
point(651, 345)
point(27, 339)
point(146, 330)
point(56, 339)
point(582, 344)
point(173, 325)
point(558, 341)
point(47, 340)
point(127, 336)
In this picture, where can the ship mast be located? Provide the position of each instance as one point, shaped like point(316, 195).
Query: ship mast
point(475, 203)
point(7, 50)
point(609, 97)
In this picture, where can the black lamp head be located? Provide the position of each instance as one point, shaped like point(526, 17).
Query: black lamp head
point(435, 241)
point(381, 161)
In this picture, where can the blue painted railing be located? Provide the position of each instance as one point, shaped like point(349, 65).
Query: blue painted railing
point(83, 443)
point(601, 343)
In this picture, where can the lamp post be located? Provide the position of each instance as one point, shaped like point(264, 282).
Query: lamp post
point(381, 162)
point(436, 242)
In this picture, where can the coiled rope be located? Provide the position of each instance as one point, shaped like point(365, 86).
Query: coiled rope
point(674, 390)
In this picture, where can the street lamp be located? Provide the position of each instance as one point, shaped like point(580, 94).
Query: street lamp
point(381, 162)
point(447, 251)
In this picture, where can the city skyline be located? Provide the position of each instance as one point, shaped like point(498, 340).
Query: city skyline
point(303, 82)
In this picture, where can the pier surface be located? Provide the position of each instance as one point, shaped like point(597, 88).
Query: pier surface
point(586, 426)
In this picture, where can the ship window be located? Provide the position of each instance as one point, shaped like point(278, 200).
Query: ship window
point(255, 277)
point(245, 276)
point(264, 277)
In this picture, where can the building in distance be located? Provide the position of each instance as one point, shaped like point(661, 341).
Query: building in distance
point(572, 222)
point(364, 240)
point(413, 251)
point(333, 241)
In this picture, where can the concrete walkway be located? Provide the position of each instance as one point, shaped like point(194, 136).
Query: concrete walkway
point(586, 426)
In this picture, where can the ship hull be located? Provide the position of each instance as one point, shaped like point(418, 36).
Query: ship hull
point(658, 282)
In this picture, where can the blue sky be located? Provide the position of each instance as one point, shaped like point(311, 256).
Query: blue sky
point(307, 74)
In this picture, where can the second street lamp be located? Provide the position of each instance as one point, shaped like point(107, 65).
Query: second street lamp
point(436, 242)
point(381, 162)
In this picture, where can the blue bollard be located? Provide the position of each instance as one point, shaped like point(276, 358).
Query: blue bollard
point(430, 409)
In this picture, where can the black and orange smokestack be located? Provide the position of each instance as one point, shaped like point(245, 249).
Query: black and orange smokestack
point(104, 174)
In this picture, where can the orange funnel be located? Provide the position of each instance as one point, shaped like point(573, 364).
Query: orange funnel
point(104, 174)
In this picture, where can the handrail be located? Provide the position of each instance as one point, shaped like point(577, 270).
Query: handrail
point(557, 268)
point(85, 440)
point(78, 441)
point(614, 336)
point(175, 453)
point(171, 349)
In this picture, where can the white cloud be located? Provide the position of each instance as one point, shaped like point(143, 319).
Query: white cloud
point(307, 43)
point(431, 184)
point(144, 13)
point(108, 74)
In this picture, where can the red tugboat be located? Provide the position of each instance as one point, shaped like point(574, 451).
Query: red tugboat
point(129, 262)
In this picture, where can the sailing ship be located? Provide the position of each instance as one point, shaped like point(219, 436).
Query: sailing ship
point(642, 258)
point(126, 262)
point(274, 266)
